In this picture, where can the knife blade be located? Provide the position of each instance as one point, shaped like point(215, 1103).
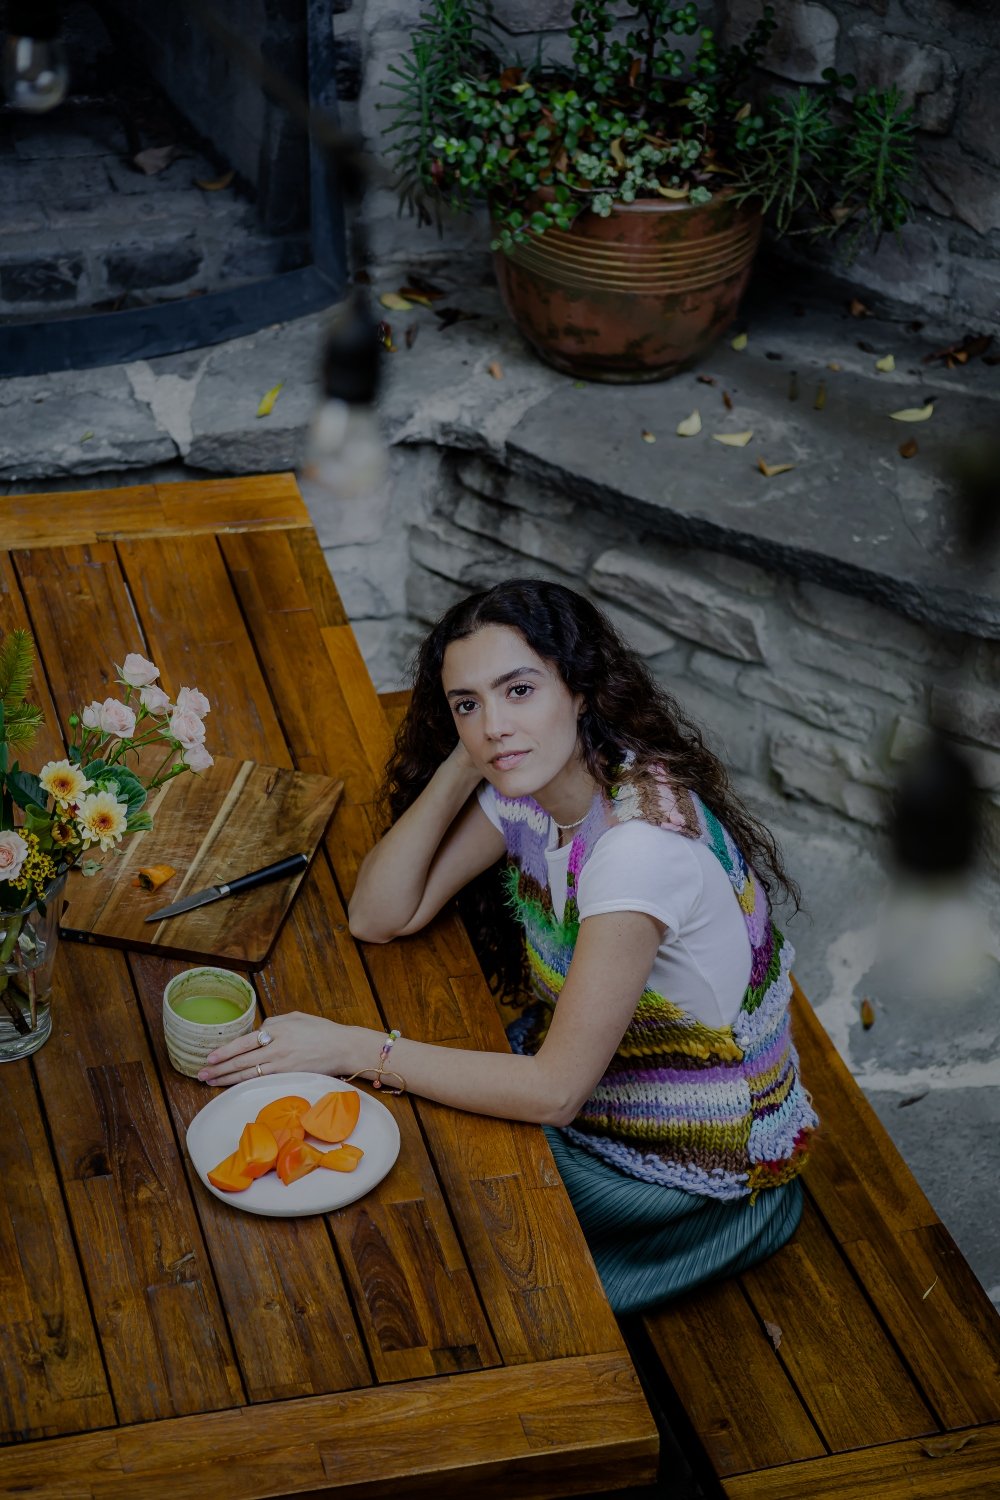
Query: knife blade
point(293, 865)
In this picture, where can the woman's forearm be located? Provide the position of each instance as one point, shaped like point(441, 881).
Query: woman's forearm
point(508, 1085)
point(393, 875)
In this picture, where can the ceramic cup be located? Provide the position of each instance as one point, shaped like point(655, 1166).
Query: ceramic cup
point(189, 1040)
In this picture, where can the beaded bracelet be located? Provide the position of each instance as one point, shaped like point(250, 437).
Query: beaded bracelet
point(380, 1068)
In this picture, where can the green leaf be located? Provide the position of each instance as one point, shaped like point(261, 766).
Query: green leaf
point(140, 823)
point(26, 789)
point(124, 783)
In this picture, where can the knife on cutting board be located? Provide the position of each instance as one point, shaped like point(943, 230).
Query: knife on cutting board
point(293, 865)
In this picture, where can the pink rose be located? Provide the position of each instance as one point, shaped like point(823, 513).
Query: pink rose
point(137, 671)
point(113, 718)
point(91, 716)
point(13, 851)
point(154, 699)
point(197, 758)
point(190, 701)
point(186, 728)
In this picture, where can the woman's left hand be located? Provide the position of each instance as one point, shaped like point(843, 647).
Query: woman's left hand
point(299, 1043)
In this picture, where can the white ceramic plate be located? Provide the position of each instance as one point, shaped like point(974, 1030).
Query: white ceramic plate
point(215, 1131)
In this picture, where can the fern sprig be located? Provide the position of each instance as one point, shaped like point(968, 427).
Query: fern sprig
point(17, 664)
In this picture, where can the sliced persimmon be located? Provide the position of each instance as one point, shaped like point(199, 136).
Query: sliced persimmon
point(257, 1151)
point(333, 1117)
point(342, 1158)
point(293, 1132)
point(296, 1159)
point(229, 1176)
point(283, 1112)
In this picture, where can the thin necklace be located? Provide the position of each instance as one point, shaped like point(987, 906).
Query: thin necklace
point(565, 827)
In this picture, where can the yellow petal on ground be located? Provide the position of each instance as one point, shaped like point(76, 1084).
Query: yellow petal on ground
point(740, 341)
point(886, 364)
point(913, 413)
point(769, 470)
point(733, 439)
point(266, 406)
point(648, 437)
point(867, 1014)
point(394, 301)
point(216, 184)
point(833, 365)
point(495, 368)
point(691, 426)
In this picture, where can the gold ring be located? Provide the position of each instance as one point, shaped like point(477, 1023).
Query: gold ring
point(259, 1073)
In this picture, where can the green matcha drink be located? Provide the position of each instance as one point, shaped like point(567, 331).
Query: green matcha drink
point(208, 1010)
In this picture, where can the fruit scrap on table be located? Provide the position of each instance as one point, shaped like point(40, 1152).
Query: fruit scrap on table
point(275, 1140)
point(151, 877)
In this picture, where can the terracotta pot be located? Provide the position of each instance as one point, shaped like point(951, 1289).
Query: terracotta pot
point(636, 296)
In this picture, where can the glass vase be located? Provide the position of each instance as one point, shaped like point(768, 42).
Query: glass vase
point(29, 939)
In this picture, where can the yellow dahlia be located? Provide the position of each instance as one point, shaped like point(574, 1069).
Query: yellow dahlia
point(65, 782)
point(101, 819)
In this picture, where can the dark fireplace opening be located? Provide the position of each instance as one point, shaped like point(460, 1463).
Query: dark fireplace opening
point(167, 200)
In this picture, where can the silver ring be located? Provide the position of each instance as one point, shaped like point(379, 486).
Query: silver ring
point(264, 1037)
point(259, 1073)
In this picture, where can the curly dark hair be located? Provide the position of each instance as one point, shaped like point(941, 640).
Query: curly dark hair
point(625, 709)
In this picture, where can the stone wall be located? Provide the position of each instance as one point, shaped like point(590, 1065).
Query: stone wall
point(808, 692)
point(943, 55)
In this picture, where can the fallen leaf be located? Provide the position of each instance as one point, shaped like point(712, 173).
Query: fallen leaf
point(945, 1447)
point(90, 867)
point(930, 1289)
point(579, 385)
point(414, 297)
point(773, 1332)
point(909, 448)
point(394, 302)
point(216, 184)
point(666, 192)
point(87, 436)
point(383, 334)
point(740, 341)
point(772, 354)
point(266, 406)
point(886, 364)
point(971, 347)
point(833, 365)
point(769, 470)
point(912, 1099)
point(417, 288)
point(733, 439)
point(449, 315)
point(156, 158)
point(410, 336)
point(820, 400)
point(867, 1014)
point(705, 379)
point(495, 369)
point(617, 154)
point(690, 426)
point(727, 401)
point(742, 112)
point(866, 348)
point(913, 413)
point(511, 77)
point(648, 437)
point(858, 309)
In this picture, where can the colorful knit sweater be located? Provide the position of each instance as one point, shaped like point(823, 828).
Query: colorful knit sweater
point(716, 1111)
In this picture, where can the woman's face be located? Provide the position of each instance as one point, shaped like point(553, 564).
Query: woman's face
point(513, 712)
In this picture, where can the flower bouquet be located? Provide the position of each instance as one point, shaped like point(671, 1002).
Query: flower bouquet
point(90, 800)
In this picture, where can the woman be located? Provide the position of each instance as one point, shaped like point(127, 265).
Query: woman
point(666, 1068)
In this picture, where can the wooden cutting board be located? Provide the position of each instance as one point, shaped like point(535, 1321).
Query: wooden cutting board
point(233, 818)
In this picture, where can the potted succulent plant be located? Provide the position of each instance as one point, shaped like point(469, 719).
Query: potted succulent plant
point(628, 189)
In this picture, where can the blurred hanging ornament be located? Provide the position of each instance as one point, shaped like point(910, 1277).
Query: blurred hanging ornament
point(345, 450)
point(35, 70)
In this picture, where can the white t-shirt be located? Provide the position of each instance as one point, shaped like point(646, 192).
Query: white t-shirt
point(703, 961)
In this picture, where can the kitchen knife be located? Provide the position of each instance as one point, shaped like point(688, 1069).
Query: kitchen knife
point(294, 865)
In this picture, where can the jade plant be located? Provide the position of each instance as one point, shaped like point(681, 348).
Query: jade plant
point(651, 106)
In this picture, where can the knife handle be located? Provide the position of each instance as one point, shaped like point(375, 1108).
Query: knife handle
point(294, 865)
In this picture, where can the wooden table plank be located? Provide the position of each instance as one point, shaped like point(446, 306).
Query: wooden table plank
point(147, 1271)
point(846, 1370)
point(536, 1431)
point(962, 1466)
point(753, 1423)
point(52, 1379)
point(79, 517)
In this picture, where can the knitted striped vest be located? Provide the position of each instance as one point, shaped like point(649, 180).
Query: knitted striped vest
point(718, 1112)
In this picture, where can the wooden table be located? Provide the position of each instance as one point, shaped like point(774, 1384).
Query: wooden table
point(447, 1334)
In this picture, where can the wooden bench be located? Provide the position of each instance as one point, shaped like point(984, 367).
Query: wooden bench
point(862, 1360)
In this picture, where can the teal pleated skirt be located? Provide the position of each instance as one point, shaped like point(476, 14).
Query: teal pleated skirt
point(651, 1243)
